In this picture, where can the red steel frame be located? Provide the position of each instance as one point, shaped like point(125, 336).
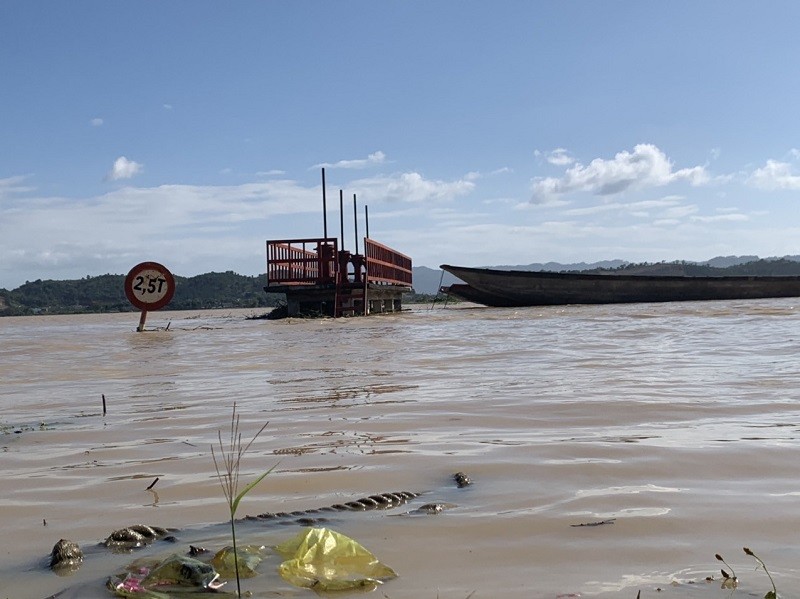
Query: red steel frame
point(313, 261)
point(385, 265)
point(301, 261)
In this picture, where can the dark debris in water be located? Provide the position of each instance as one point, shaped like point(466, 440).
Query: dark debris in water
point(7, 429)
point(595, 523)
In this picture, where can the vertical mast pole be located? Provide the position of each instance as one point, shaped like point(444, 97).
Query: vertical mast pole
point(355, 221)
point(324, 208)
point(341, 216)
point(366, 218)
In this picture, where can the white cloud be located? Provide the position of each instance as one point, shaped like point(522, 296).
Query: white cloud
point(666, 222)
point(671, 200)
point(677, 212)
point(193, 228)
point(11, 186)
point(410, 187)
point(371, 160)
point(669, 206)
point(735, 217)
point(475, 175)
point(96, 122)
point(774, 176)
point(596, 209)
point(559, 157)
point(646, 166)
point(124, 169)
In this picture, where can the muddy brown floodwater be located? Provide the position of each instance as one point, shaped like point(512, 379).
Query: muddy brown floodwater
point(678, 422)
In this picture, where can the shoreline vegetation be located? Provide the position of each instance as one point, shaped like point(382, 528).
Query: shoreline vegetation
point(214, 290)
point(106, 294)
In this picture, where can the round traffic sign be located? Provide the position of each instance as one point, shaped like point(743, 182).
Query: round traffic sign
point(149, 286)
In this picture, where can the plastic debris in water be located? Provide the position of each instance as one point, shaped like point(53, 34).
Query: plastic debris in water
point(176, 571)
point(324, 560)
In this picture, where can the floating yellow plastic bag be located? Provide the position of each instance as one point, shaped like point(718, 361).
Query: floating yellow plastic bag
point(325, 560)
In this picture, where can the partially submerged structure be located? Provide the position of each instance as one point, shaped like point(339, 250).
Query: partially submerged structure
point(321, 278)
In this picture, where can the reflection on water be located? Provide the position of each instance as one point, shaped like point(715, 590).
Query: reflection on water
point(679, 424)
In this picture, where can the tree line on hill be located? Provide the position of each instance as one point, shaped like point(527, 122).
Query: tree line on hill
point(773, 267)
point(105, 293)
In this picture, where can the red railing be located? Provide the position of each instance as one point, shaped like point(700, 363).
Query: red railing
point(385, 265)
point(301, 261)
point(317, 261)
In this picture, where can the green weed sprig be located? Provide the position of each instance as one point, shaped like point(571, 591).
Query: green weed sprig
point(227, 466)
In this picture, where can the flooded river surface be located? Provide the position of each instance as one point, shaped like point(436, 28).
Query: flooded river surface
point(677, 424)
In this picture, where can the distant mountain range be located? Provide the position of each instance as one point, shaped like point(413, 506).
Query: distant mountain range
point(105, 293)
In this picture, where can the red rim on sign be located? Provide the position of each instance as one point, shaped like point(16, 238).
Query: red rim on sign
point(149, 286)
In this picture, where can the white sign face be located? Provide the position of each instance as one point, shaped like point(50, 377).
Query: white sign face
point(149, 286)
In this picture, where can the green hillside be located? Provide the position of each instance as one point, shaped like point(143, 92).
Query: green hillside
point(106, 293)
point(757, 268)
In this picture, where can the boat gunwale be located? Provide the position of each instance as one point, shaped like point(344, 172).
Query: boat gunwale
point(538, 274)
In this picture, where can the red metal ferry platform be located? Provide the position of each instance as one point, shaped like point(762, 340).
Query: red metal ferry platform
point(318, 279)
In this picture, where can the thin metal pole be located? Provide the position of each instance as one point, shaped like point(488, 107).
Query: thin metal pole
point(438, 291)
point(142, 318)
point(366, 218)
point(324, 208)
point(355, 221)
point(341, 215)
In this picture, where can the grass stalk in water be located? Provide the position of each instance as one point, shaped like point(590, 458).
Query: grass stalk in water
point(730, 580)
point(227, 464)
point(773, 594)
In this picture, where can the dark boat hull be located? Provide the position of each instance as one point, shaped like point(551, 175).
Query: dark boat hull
point(470, 294)
point(508, 288)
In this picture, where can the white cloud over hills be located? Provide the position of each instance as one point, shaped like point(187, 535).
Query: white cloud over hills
point(646, 166)
point(620, 207)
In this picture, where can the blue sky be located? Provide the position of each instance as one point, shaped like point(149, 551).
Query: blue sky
point(478, 133)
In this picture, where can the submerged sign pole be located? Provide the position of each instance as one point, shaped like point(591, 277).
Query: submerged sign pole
point(149, 286)
point(142, 318)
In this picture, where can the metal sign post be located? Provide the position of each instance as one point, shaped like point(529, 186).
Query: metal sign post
point(149, 286)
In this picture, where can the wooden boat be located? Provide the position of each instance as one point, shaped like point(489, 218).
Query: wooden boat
point(470, 294)
point(539, 288)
